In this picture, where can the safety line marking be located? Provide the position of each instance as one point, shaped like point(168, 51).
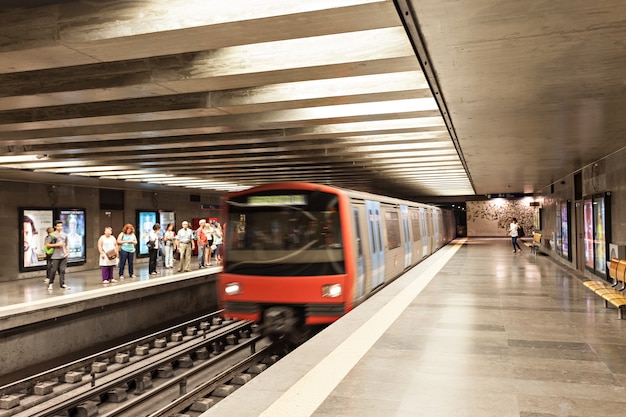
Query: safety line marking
point(306, 395)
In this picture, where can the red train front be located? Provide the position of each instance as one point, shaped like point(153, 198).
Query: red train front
point(285, 260)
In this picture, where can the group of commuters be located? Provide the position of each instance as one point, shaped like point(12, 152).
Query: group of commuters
point(121, 250)
point(117, 251)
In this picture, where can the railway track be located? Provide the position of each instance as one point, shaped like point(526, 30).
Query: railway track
point(182, 369)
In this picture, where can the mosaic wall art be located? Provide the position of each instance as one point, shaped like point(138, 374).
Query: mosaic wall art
point(492, 217)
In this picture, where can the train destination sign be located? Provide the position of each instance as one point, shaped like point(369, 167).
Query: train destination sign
point(277, 200)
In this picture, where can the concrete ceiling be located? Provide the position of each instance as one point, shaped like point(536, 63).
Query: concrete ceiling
point(408, 98)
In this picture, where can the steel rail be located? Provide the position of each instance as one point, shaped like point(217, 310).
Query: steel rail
point(130, 372)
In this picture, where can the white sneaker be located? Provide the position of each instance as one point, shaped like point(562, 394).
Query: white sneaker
point(50, 287)
point(113, 280)
point(106, 281)
point(65, 287)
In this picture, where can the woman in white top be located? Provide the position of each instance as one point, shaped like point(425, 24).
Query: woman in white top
point(168, 248)
point(217, 241)
point(513, 227)
point(106, 243)
point(209, 230)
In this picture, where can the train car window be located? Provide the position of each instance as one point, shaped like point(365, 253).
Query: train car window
point(379, 235)
point(415, 225)
point(284, 233)
point(392, 224)
point(357, 228)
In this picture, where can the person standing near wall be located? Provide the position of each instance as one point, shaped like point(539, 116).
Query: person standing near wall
point(184, 244)
point(59, 256)
point(127, 241)
point(107, 243)
point(50, 238)
point(513, 232)
point(168, 245)
point(154, 245)
point(202, 240)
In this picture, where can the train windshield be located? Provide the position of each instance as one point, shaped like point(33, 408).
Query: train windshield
point(284, 233)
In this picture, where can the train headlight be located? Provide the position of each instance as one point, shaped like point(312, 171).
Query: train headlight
point(332, 290)
point(233, 288)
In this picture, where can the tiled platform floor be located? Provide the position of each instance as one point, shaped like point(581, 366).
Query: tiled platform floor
point(493, 334)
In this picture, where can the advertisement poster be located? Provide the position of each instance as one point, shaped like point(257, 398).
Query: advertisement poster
point(34, 223)
point(600, 237)
point(74, 227)
point(145, 221)
point(558, 232)
point(165, 218)
point(564, 230)
point(588, 237)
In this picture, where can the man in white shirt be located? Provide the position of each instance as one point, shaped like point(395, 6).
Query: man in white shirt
point(184, 244)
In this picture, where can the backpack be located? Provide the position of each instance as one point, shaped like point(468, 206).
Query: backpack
point(53, 240)
point(520, 231)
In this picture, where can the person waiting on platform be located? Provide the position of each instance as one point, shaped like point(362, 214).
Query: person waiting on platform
point(218, 240)
point(59, 256)
point(185, 245)
point(168, 245)
point(154, 245)
point(127, 241)
point(202, 242)
point(50, 238)
point(106, 245)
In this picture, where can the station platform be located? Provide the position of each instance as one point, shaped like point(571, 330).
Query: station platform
point(33, 289)
point(472, 331)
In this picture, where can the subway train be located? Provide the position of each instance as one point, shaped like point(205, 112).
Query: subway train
point(297, 255)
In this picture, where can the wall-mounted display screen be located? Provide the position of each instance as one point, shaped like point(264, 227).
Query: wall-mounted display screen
point(145, 221)
point(588, 232)
point(74, 227)
point(600, 234)
point(33, 224)
point(165, 218)
point(565, 230)
point(597, 215)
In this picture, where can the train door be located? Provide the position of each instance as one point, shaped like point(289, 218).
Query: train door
point(376, 242)
point(425, 243)
point(404, 213)
point(360, 260)
point(436, 230)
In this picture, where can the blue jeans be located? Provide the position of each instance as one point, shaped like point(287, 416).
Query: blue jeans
point(130, 256)
point(514, 242)
point(201, 250)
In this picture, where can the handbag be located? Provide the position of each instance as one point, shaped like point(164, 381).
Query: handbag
point(520, 231)
point(111, 254)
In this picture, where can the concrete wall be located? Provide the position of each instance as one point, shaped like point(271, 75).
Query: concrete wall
point(491, 218)
point(34, 335)
point(607, 175)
